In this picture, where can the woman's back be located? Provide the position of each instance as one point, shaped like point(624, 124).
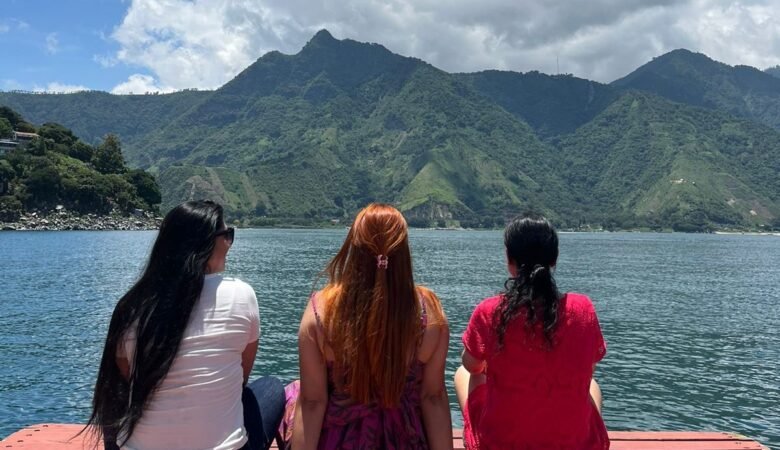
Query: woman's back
point(351, 424)
point(198, 403)
point(537, 393)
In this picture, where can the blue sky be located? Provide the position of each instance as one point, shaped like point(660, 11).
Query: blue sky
point(47, 42)
point(135, 46)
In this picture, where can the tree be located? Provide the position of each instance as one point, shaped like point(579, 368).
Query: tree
point(108, 156)
point(39, 146)
point(6, 130)
point(57, 133)
point(44, 183)
point(7, 174)
point(146, 186)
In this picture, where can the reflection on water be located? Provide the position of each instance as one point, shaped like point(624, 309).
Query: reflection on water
point(690, 320)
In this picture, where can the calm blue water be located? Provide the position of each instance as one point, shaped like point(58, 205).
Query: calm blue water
point(691, 321)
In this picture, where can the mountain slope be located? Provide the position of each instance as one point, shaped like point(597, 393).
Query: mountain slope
point(342, 123)
point(314, 136)
point(91, 115)
point(697, 80)
point(551, 104)
point(667, 163)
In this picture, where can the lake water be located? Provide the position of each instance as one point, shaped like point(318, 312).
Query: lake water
point(691, 321)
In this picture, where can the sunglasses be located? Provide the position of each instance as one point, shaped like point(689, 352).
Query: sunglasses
point(229, 233)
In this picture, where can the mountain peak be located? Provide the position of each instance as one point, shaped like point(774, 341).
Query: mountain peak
point(322, 37)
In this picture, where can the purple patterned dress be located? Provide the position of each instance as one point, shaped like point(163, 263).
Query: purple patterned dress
point(350, 425)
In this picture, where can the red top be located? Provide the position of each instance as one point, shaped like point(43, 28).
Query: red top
point(536, 396)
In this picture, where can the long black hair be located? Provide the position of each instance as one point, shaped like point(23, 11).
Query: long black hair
point(532, 245)
point(158, 307)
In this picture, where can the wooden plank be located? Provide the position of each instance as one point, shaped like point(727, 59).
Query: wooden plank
point(686, 445)
point(63, 437)
point(674, 436)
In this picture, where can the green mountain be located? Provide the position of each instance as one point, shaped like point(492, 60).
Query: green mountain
point(650, 161)
point(341, 123)
point(551, 104)
point(311, 137)
point(697, 80)
point(93, 114)
point(56, 168)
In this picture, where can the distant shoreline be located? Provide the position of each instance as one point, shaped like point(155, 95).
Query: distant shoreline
point(53, 221)
point(64, 220)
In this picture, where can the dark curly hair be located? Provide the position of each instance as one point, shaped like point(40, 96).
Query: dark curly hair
point(532, 245)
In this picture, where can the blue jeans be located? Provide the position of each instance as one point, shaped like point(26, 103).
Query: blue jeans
point(263, 401)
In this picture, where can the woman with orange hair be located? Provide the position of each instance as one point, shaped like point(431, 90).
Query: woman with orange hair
point(372, 349)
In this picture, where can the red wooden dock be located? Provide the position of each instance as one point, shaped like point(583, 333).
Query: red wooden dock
point(61, 437)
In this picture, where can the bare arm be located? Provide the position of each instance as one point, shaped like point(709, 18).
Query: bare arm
point(248, 359)
point(313, 399)
point(472, 363)
point(435, 403)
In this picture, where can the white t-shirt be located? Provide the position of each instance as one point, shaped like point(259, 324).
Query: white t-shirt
point(198, 403)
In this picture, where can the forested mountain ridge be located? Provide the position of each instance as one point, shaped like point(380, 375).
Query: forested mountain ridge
point(697, 80)
point(313, 136)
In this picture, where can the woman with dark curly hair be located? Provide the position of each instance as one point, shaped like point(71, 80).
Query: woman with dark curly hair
point(530, 352)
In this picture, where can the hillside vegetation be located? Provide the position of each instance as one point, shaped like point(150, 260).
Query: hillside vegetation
point(57, 168)
point(683, 143)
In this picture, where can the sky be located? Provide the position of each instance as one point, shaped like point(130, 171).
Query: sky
point(137, 46)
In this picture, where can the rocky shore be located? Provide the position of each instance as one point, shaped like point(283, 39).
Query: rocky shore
point(61, 219)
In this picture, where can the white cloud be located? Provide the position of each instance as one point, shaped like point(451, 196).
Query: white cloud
point(11, 85)
point(56, 87)
point(139, 84)
point(105, 61)
point(52, 44)
point(204, 43)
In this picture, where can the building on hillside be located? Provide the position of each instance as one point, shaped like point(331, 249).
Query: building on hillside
point(7, 144)
point(17, 138)
point(24, 138)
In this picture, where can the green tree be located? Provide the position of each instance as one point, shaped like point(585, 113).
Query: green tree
point(81, 151)
point(108, 156)
point(44, 184)
point(7, 174)
point(39, 146)
point(6, 130)
point(57, 133)
point(146, 186)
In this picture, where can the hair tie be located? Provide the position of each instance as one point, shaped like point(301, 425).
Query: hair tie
point(381, 261)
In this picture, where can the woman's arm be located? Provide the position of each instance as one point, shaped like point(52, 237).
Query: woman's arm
point(313, 398)
point(435, 402)
point(472, 363)
point(248, 359)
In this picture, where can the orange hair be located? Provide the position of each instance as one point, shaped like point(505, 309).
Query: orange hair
point(373, 313)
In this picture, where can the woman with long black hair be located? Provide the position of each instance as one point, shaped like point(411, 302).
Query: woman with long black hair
point(529, 356)
point(180, 347)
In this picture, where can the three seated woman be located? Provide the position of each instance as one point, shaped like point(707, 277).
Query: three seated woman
point(372, 349)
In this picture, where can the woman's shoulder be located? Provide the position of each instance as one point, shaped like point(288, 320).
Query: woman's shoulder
point(433, 309)
point(579, 304)
point(239, 287)
point(488, 305)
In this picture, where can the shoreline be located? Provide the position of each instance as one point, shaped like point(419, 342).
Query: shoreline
point(65, 220)
point(61, 219)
